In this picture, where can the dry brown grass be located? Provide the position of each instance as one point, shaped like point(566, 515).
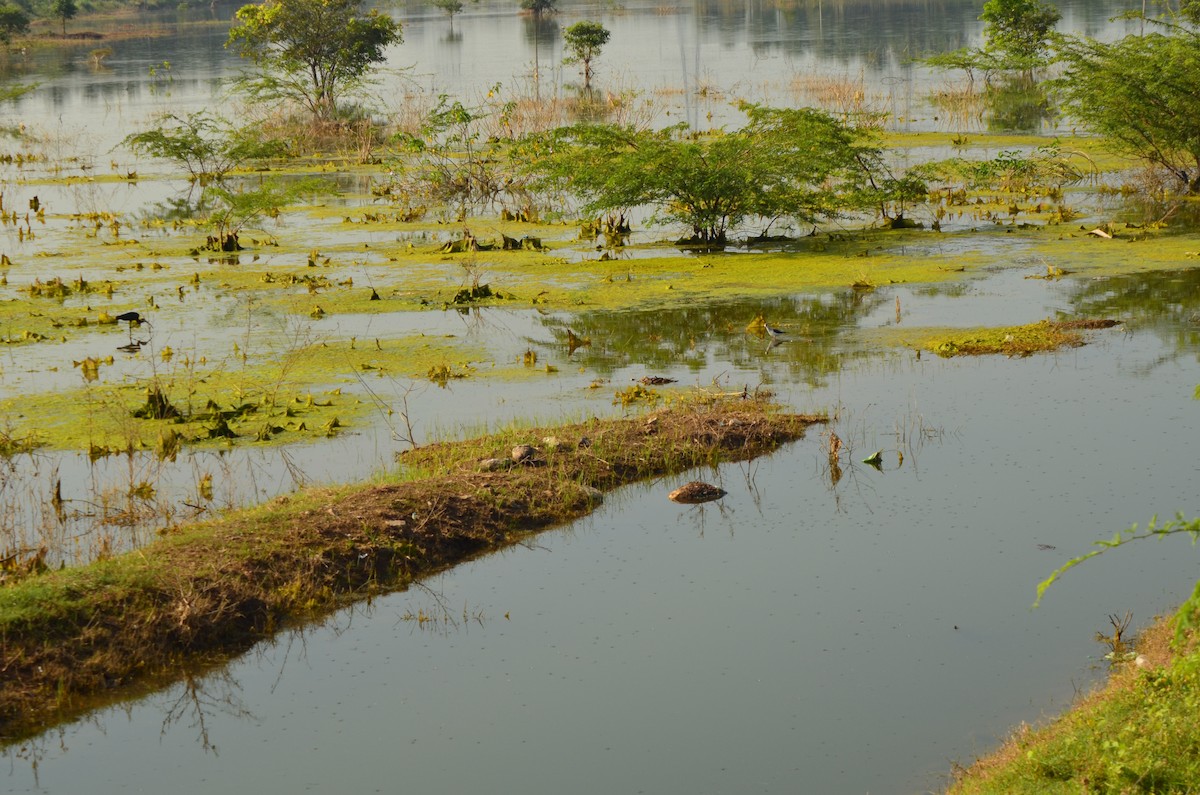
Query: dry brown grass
point(846, 97)
point(962, 106)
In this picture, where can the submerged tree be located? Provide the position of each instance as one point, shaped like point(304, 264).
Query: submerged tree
point(450, 7)
point(209, 148)
point(228, 210)
point(1017, 42)
point(1140, 93)
point(539, 7)
point(1018, 32)
point(1017, 38)
point(205, 146)
point(452, 162)
point(800, 164)
point(585, 40)
point(313, 52)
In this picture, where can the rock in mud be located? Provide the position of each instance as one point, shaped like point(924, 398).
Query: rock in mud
point(524, 454)
point(696, 492)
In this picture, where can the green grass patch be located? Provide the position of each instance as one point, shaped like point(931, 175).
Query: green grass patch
point(1040, 337)
point(297, 394)
point(1139, 734)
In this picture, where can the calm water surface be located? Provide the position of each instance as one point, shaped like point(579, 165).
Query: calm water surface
point(796, 637)
point(802, 635)
point(688, 60)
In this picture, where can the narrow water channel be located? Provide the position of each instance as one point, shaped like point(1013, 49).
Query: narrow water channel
point(808, 633)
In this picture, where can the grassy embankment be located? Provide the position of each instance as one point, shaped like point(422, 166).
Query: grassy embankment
point(1137, 734)
point(73, 639)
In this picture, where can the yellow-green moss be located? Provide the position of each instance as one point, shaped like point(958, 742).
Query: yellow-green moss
point(1007, 340)
point(301, 393)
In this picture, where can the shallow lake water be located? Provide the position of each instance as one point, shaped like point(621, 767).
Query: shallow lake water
point(689, 60)
point(796, 636)
point(806, 633)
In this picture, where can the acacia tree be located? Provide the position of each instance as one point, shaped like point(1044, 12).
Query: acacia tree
point(800, 164)
point(449, 7)
point(205, 146)
point(229, 210)
point(209, 148)
point(313, 52)
point(1018, 31)
point(1140, 93)
point(585, 40)
point(454, 162)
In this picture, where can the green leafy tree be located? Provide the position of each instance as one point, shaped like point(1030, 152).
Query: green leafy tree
point(453, 163)
point(313, 52)
point(449, 7)
point(1140, 93)
point(229, 210)
point(207, 147)
point(1017, 38)
point(13, 22)
point(539, 7)
point(968, 59)
point(64, 10)
point(785, 163)
point(584, 40)
point(1014, 172)
point(1018, 31)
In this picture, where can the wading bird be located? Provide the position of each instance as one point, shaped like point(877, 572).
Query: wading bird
point(133, 319)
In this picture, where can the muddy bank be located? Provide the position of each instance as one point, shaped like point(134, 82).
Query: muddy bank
point(74, 639)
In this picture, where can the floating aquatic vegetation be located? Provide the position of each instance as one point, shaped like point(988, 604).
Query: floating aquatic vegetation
point(1046, 335)
point(15, 443)
point(636, 394)
point(157, 406)
point(442, 373)
point(89, 368)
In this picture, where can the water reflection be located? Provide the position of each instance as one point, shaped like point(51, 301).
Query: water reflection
point(1017, 104)
point(197, 699)
point(1167, 303)
point(683, 54)
point(1167, 299)
point(693, 336)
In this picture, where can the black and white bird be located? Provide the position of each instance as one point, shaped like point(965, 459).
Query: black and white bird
point(773, 332)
